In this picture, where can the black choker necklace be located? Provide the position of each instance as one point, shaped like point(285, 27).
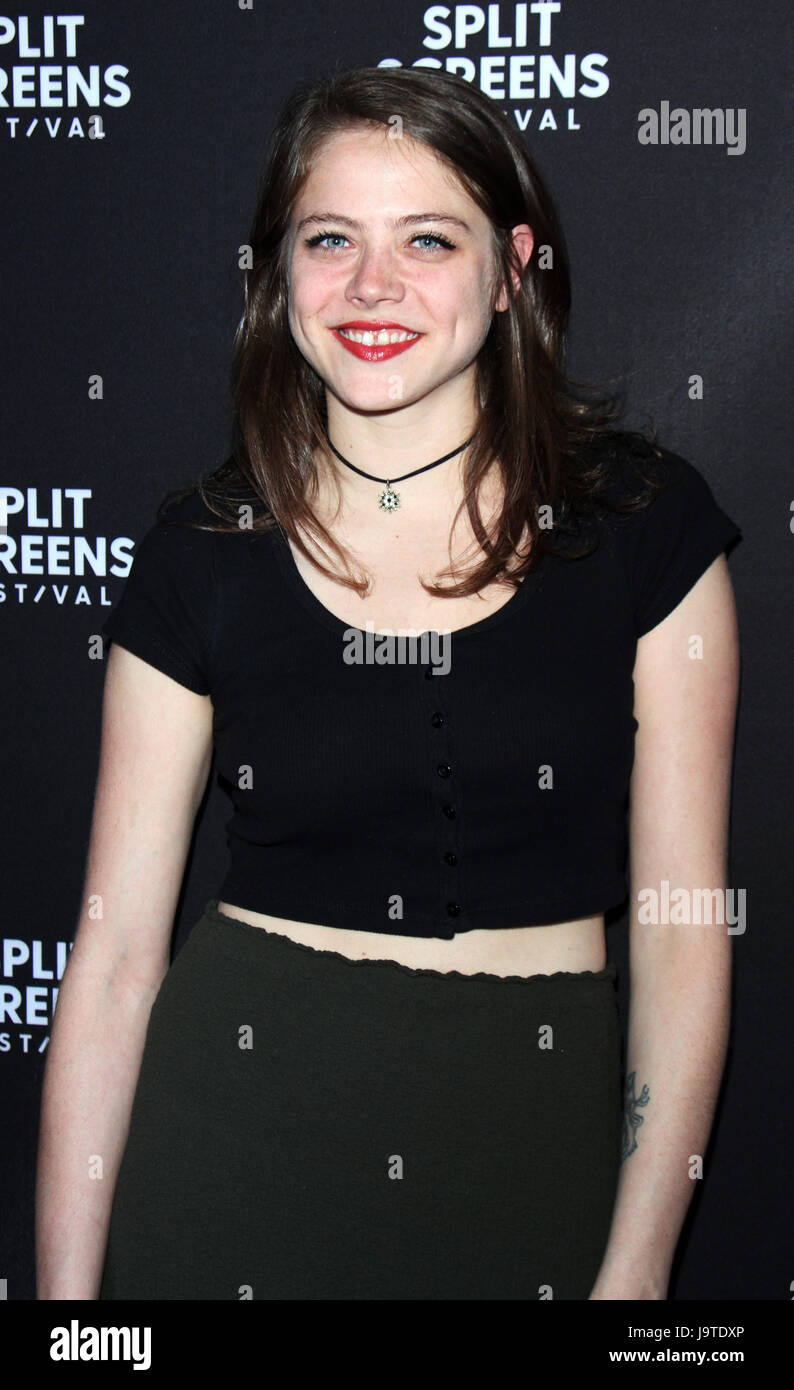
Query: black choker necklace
point(389, 500)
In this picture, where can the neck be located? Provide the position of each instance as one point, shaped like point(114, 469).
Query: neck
point(390, 444)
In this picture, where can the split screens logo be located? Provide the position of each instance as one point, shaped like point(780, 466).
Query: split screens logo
point(515, 54)
point(32, 971)
point(47, 556)
point(46, 91)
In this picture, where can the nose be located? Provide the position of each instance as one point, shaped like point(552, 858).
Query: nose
point(375, 278)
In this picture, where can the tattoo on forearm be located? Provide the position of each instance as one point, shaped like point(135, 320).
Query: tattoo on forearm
point(631, 1120)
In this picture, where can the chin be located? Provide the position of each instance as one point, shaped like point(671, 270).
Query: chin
point(368, 402)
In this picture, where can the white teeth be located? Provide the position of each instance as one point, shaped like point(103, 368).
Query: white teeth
point(382, 338)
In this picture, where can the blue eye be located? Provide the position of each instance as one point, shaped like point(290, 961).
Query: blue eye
point(433, 236)
point(325, 236)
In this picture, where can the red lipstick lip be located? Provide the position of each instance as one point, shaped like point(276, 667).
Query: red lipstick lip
point(376, 352)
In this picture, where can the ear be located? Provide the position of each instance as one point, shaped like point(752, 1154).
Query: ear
point(523, 242)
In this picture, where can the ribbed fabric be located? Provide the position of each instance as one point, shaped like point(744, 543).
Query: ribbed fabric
point(396, 799)
point(307, 1126)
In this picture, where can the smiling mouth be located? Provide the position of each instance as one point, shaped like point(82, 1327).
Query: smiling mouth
point(380, 337)
point(375, 344)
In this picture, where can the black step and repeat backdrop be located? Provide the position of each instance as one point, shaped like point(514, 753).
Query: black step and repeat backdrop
point(132, 136)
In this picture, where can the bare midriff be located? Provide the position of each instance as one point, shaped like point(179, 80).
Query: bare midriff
point(541, 950)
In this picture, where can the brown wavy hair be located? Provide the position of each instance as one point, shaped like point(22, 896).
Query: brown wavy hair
point(554, 445)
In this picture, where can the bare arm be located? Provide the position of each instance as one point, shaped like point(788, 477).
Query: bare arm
point(681, 970)
point(155, 756)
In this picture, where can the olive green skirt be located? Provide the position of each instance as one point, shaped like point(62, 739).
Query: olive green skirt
point(307, 1126)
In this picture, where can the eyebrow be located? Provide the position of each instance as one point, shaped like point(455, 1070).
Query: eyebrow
point(411, 220)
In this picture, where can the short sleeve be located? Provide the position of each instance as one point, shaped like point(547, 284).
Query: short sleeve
point(669, 544)
point(165, 614)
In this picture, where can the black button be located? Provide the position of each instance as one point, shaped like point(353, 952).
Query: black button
point(444, 770)
point(450, 858)
point(449, 812)
point(437, 719)
point(453, 909)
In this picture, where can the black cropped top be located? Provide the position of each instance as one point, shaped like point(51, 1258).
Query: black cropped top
point(412, 787)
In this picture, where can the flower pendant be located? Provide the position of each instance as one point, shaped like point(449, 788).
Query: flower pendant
point(389, 499)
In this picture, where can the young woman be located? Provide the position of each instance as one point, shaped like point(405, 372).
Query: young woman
point(444, 625)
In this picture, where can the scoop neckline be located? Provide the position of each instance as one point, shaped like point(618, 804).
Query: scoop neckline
point(318, 610)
